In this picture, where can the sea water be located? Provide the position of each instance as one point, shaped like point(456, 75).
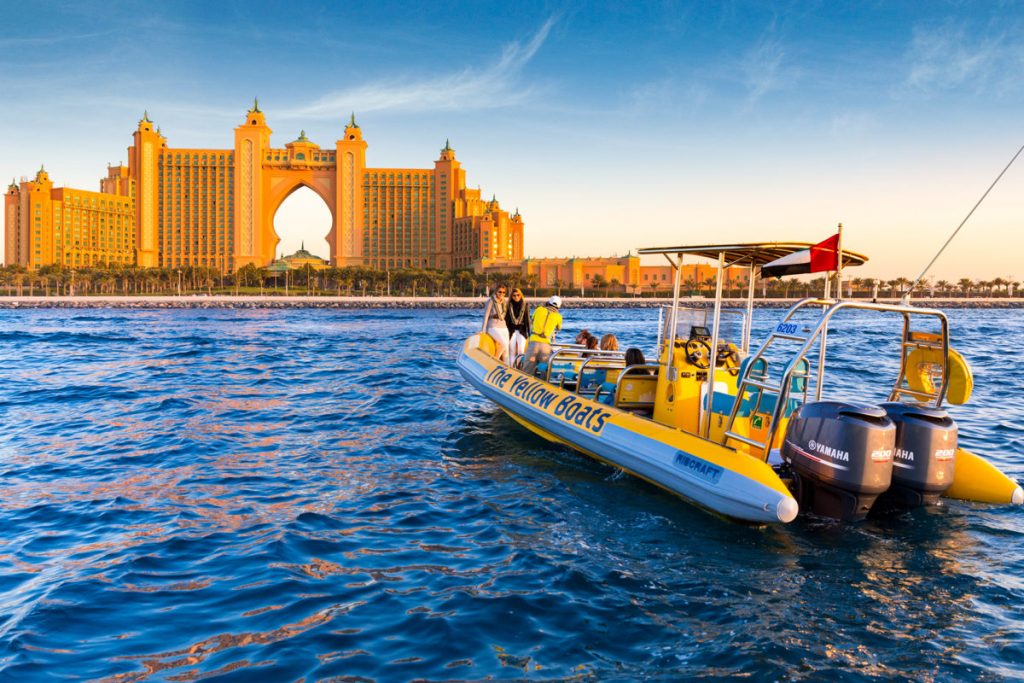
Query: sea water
point(304, 494)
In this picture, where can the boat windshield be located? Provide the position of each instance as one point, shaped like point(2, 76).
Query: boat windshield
point(697, 322)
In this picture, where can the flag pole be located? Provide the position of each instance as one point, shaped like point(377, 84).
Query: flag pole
point(839, 263)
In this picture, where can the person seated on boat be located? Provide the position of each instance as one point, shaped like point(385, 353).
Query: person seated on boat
point(591, 343)
point(581, 337)
point(635, 356)
point(518, 322)
point(547, 321)
point(494, 321)
point(609, 343)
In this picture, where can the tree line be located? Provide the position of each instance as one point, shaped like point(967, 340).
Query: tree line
point(16, 280)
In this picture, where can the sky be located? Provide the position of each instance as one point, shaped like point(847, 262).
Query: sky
point(610, 126)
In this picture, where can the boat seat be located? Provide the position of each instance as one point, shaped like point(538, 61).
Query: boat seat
point(722, 402)
point(564, 370)
point(758, 372)
point(594, 378)
point(797, 385)
point(632, 393)
point(606, 393)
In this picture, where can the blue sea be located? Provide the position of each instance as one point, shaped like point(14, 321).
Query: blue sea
point(304, 495)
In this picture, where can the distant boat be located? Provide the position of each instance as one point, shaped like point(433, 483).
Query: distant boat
point(766, 446)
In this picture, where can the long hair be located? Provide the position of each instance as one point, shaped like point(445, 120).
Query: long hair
point(635, 356)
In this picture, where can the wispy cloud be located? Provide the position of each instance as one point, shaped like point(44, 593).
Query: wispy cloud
point(949, 57)
point(470, 88)
point(764, 68)
point(49, 39)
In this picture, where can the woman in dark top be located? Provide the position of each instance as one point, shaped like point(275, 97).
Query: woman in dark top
point(517, 318)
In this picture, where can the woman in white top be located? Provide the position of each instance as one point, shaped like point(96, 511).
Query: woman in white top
point(494, 321)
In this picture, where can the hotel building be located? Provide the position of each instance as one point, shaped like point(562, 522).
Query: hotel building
point(172, 207)
point(624, 275)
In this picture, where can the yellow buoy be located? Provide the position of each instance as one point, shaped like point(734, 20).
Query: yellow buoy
point(925, 364)
point(486, 344)
point(975, 478)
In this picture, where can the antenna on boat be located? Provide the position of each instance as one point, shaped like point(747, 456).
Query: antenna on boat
point(906, 295)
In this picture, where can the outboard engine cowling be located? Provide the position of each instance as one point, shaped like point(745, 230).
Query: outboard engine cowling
point(924, 457)
point(841, 456)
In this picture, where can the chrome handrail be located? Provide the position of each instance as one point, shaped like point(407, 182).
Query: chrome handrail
point(601, 359)
point(578, 353)
point(819, 334)
point(635, 370)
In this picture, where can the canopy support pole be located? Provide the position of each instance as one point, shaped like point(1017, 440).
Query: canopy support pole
point(713, 360)
point(670, 352)
point(839, 264)
point(754, 272)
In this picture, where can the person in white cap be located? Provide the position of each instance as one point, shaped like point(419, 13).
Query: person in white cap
point(547, 321)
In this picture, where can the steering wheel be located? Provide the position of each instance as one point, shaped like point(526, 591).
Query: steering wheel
point(698, 354)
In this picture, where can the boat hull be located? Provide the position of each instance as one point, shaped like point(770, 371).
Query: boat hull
point(719, 479)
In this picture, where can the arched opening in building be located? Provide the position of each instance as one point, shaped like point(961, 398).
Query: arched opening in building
point(303, 219)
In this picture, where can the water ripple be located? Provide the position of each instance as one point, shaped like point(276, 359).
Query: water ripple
point(301, 495)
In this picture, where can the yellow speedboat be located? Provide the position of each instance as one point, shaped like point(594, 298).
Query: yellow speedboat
point(748, 435)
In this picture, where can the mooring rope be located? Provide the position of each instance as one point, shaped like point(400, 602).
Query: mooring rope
point(906, 295)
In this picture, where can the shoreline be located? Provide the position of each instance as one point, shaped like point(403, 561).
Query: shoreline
point(400, 302)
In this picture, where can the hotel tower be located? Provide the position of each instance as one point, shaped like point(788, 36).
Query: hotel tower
point(172, 207)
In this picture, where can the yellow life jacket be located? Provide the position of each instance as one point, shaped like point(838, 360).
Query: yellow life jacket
point(544, 325)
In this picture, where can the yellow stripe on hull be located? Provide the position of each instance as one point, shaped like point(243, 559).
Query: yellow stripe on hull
point(978, 480)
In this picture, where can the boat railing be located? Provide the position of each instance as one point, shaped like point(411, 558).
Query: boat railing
point(646, 370)
point(576, 353)
point(602, 362)
point(789, 331)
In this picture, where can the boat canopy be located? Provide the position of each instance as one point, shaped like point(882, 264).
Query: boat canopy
point(750, 254)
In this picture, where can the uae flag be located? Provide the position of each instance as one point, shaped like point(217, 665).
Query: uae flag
point(821, 257)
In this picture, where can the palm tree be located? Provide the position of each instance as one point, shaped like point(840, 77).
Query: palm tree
point(965, 285)
point(464, 280)
point(532, 280)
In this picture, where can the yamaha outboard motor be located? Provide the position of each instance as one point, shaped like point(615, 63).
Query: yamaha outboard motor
point(924, 457)
point(841, 456)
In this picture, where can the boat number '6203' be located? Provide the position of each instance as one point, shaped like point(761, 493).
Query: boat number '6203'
point(568, 408)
